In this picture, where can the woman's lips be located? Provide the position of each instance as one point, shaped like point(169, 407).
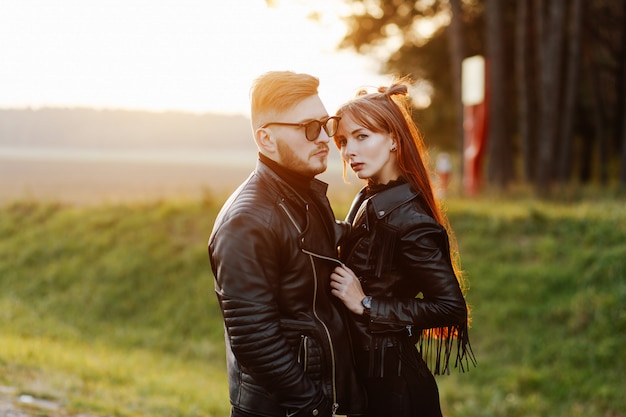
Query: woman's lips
point(356, 166)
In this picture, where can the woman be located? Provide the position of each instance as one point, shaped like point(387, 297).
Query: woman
point(399, 279)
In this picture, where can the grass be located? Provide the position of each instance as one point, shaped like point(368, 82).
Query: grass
point(110, 310)
point(107, 380)
point(548, 292)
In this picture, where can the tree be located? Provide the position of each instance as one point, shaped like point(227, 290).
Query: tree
point(570, 91)
point(549, 25)
point(569, 83)
point(620, 128)
point(524, 91)
point(499, 144)
point(622, 177)
point(457, 53)
point(603, 58)
point(435, 58)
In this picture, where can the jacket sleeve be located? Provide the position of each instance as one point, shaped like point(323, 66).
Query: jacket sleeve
point(422, 255)
point(245, 259)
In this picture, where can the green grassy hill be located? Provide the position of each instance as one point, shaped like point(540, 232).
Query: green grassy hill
point(110, 310)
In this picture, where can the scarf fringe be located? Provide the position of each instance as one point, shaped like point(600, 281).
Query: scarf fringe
point(429, 353)
point(437, 346)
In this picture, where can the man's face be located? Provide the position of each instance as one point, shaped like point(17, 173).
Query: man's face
point(295, 152)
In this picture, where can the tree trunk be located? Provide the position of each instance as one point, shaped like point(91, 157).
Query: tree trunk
point(590, 127)
point(571, 89)
point(599, 119)
point(522, 78)
point(620, 81)
point(550, 38)
point(622, 111)
point(622, 176)
point(457, 53)
point(537, 19)
point(499, 149)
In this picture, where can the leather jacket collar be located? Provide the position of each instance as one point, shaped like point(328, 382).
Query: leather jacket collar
point(317, 187)
point(385, 201)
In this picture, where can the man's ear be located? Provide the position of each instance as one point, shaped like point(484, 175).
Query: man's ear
point(265, 141)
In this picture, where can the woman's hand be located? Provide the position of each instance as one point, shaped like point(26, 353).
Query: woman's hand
point(345, 285)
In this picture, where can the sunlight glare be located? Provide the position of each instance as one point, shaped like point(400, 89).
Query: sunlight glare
point(169, 54)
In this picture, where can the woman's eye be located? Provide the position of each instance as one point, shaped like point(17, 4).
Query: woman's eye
point(362, 137)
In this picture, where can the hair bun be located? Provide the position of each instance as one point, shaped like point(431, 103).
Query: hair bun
point(395, 89)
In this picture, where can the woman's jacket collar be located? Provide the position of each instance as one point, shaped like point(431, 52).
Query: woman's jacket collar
point(388, 199)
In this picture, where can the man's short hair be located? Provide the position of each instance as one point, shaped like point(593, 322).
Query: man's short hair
point(277, 91)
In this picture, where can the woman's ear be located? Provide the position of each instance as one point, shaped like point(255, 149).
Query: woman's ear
point(265, 141)
point(394, 142)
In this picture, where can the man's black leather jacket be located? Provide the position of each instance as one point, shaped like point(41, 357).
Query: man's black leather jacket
point(272, 252)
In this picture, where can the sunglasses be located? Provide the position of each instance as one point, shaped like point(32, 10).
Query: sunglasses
point(313, 128)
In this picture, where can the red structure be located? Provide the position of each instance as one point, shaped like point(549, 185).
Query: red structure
point(474, 91)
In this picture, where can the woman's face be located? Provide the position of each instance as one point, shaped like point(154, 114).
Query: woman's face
point(371, 155)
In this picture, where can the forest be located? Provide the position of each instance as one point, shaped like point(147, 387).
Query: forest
point(555, 81)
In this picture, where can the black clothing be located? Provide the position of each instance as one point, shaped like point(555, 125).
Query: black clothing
point(300, 183)
point(272, 255)
point(402, 392)
point(402, 257)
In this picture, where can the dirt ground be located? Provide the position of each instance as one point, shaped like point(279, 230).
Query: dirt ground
point(14, 405)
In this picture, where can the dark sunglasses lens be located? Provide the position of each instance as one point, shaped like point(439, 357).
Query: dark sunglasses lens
point(331, 126)
point(312, 130)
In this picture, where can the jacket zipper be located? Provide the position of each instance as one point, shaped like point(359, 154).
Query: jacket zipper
point(326, 258)
point(335, 405)
point(303, 352)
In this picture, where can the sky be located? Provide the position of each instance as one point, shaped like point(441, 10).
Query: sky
point(184, 55)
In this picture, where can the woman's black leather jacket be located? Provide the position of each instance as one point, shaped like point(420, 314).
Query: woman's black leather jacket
point(402, 257)
point(272, 252)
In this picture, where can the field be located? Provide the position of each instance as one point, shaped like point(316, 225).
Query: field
point(107, 308)
point(87, 177)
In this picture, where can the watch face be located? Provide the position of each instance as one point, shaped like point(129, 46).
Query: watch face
point(367, 302)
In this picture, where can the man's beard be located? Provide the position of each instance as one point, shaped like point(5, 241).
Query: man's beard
point(290, 160)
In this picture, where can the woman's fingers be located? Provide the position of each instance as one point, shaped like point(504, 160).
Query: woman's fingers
point(344, 272)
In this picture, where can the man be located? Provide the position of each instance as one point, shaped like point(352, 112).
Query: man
point(272, 250)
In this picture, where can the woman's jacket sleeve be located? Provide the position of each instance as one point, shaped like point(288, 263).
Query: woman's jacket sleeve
point(422, 255)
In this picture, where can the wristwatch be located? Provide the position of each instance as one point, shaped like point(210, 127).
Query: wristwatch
point(367, 304)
